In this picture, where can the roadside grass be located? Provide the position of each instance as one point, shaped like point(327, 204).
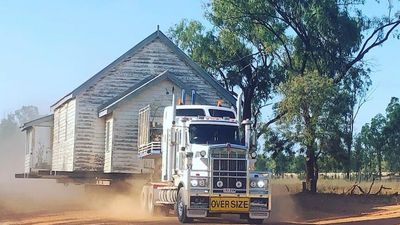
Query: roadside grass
point(292, 184)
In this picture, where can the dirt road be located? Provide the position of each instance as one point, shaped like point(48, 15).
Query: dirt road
point(118, 212)
point(383, 215)
point(50, 203)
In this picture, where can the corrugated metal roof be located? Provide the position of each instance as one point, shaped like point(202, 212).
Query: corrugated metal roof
point(157, 34)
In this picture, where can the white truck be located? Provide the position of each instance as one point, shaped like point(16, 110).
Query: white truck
point(206, 163)
point(201, 164)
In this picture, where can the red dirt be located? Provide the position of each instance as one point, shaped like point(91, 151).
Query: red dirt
point(287, 209)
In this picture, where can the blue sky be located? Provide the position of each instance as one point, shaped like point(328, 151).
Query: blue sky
point(48, 48)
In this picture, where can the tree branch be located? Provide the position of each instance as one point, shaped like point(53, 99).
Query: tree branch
point(365, 48)
point(264, 126)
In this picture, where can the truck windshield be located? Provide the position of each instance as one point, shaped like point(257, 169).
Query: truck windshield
point(213, 134)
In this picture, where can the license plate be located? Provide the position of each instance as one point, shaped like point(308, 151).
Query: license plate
point(229, 190)
point(229, 204)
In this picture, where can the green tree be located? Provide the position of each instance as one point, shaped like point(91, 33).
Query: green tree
point(304, 101)
point(328, 37)
point(371, 145)
point(376, 139)
point(239, 59)
point(280, 150)
point(392, 135)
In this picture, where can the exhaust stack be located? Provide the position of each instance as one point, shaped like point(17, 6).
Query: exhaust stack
point(193, 99)
point(183, 97)
point(239, 108)
point(173, 107)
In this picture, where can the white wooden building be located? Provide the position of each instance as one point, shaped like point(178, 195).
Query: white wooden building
point(39, 141)
point(95, 126)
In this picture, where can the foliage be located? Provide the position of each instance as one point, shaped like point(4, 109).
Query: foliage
point(379, 142)
point(313, 50)
point(239, 59)
point(392, 135)
point(9, 126)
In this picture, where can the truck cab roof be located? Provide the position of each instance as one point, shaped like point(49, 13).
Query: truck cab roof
point(203, 111)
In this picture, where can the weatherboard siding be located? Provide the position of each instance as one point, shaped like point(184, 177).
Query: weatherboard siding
point(125, 147)
point(151, 60)
point(64, 137)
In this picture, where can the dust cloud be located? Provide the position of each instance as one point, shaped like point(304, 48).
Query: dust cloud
point(28, 195)
point(25, 196)
point(284, 206)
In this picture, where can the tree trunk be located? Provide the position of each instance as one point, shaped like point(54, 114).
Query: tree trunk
point(348, 166)
point(379, 163)
point(311, 179)
point(248, 96)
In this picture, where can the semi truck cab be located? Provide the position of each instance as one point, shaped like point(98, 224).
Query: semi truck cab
point(207, 166)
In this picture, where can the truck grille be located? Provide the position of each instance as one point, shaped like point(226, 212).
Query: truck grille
point(229, 168)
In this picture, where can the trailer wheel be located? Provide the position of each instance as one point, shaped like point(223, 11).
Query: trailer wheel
point(255, 221)
point(181, 209)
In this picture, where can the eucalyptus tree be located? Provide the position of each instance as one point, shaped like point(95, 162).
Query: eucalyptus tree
point(392, 135)
point(328, 37)
point(241, 60)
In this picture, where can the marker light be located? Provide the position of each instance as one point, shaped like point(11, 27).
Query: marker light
point(202, 183)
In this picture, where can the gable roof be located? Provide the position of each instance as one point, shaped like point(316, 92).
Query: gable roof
point(142, 85)
point(157, 34)
point(40, 120)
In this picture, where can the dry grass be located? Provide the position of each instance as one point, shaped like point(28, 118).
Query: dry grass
point(336, 186)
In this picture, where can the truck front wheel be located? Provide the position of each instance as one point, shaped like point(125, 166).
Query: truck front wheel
point(181, 209)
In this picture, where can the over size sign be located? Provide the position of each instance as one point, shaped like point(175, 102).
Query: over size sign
point(229, 204)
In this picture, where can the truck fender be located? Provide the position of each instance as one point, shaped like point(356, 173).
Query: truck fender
point(184, 189)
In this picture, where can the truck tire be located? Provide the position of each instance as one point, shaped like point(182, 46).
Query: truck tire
point(255, 221)
point(181, 209)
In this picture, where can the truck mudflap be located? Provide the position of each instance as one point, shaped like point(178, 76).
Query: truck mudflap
point(197, 213)
point(259, 215)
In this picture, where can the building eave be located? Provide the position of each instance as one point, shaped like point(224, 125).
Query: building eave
point(37, 121)
point(157, 34)
point(138, 88)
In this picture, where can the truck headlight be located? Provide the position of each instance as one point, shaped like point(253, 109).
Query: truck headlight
point(260, 183)
point(198, 182)
point(220, 183)
point(194, 183)
point(239, 184)
point(253, 184)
